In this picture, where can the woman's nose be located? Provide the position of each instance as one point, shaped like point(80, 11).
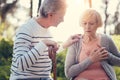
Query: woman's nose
point(87, 25)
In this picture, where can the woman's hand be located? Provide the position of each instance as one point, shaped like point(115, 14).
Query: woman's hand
point(99, 54)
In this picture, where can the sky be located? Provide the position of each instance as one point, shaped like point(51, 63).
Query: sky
point(71, 25)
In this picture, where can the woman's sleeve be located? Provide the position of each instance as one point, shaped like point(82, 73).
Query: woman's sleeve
point(114, 55)
point(72, 68)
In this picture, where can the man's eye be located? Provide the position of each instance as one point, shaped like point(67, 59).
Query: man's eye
point(84, 23)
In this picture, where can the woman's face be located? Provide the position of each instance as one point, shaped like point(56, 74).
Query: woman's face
point(89, 25)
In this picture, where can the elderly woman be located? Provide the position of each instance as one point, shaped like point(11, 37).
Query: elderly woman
point(94, 55)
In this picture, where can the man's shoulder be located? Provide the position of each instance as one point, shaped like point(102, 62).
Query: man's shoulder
point(24, 28)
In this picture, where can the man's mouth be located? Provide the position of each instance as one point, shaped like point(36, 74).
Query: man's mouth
point(88, 31)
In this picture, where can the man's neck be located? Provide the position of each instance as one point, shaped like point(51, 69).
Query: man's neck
point(42, 22)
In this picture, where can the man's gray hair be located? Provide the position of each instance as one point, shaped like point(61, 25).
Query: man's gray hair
point(51, 6)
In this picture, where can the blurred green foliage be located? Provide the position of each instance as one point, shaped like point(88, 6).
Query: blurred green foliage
point(60, 65)
point(6, 48)
point(5, 58)
point(116, 39)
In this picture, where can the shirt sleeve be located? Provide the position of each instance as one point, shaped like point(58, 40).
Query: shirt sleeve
point(114, 55)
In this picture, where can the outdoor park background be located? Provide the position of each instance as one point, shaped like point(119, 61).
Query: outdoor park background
point(14, 13)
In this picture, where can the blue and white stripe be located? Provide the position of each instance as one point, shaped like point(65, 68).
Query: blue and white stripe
point(29, 58)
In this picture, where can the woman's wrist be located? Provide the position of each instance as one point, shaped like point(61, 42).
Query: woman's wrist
point(92, 60)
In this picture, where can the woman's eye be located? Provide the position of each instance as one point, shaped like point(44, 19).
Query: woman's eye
point(91, 23)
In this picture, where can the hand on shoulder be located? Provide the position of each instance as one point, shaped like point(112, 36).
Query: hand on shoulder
point(72, 39)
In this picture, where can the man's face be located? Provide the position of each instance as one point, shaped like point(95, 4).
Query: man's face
point(58, 17)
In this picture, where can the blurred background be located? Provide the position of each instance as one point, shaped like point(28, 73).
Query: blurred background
point(13, 13)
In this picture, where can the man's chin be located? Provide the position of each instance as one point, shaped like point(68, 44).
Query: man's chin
point(55, 26)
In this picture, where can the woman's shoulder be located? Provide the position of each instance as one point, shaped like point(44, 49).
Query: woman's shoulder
point(105, 36)
point(78, 43)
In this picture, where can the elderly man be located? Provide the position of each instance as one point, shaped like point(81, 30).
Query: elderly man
point(30, 60)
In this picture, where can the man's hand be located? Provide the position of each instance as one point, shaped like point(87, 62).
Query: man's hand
point(71, 40)
point(51, 43)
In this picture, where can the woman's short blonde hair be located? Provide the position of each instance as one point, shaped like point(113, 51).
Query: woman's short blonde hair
point(87, 14)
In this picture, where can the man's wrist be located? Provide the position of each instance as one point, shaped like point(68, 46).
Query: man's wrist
point(65, 45)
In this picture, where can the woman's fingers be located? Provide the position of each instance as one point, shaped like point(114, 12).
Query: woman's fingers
point(99, 54)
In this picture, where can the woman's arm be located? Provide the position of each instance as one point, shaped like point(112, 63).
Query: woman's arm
point(114, 55)
point(72, 67)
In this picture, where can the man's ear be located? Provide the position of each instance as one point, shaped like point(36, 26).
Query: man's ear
point(50, 15)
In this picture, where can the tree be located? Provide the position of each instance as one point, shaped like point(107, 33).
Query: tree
point(31, 7)
point(106, 14)
point(116, 21)
point(5, 9)
point(39, 4)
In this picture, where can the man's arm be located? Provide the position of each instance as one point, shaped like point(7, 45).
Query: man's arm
point(72, 39)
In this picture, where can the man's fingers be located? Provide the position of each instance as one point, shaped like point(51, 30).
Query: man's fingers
point(76, 36)
point(75, 40)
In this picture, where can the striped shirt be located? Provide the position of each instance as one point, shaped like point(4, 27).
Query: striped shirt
point(29, 59)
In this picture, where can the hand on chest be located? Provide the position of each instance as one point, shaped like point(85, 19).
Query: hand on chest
point(87, 49)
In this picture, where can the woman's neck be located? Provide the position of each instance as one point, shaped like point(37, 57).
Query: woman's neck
point(89, 38)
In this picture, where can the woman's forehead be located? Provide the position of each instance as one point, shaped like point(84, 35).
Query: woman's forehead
point(89, 18)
